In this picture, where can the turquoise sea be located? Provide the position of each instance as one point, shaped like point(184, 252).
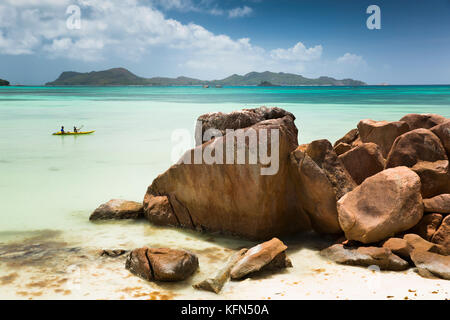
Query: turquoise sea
point(49, 185)
point(54, 182)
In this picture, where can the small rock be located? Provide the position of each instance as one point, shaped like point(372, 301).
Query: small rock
point(215, 284)
point(161, 264)
point(399, 247)
point(118, 209)
point(443, 132)
point(113, 253)
point(442, 235)
point(341, 148)
point(363, 161)
point(427, 226)
point(260, 256)
point(349, 137)
point(439, 204)
point(429, 263)
point(365, 256)
point(434, 177)
point(420, 244)
point(383, 133)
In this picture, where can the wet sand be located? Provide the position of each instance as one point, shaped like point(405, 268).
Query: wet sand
point(50, 264)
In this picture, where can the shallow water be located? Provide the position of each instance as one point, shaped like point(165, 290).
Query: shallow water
point(54, 183)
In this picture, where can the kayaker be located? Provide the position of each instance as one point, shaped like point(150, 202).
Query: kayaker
point(75, 129)
point(62, 130)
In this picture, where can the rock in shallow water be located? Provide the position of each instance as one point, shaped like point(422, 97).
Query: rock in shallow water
point(269, 255)
point(235, 198)
point(365, 256)
point(161, 264)
point(118, 209)
point(383, 205)
point(215, 284)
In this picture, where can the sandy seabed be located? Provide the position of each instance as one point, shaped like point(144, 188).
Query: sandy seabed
point(51, 264)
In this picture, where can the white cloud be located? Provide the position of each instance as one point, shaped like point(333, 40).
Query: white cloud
point(240, 12)
point(130, 29)
point(298, 53)
point(351, 59)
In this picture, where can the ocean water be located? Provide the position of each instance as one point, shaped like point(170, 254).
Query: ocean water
point(53, 183)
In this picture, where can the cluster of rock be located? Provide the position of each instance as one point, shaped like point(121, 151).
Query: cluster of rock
point(382, 180)
point(165, 264)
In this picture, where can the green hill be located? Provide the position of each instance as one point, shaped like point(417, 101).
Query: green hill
point(4, 82)
point(121, 76)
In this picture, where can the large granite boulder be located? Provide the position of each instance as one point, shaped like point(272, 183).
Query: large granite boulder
point(434, 177)
point(265, 256)
point(118, 209)
point(321, 180)
point(442, 235)
point(365, 256)
point(383, 205)
point(443, 132)
point(247, 198)
point(426, 121)
point(431, 265)
point(363, 161)
point(439, 204)
point(159, 211)
point(236, 120)
point(383, 133)
point(414, 146)
point(161, 264)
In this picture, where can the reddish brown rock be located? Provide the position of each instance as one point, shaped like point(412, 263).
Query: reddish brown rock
point(426, 121)
point(434, 177)
point(321, 179)
point(414, 146)
point(427, 226)
point(383, 205)
point(237, 199)
point(383, 133)
point(439, 204)
point(431, 264)
point(363, 161)
point(442, 235)
point(443, 132)
point(270, 254)
point(420, 244)
point(342, 148)
point(349, 137)
point(236, 120)
point(399, 247)
point(159, 211)
point(118, 209)
point(365, 256)
point(161, 264)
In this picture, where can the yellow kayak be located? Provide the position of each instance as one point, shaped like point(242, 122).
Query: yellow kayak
point(72, 133)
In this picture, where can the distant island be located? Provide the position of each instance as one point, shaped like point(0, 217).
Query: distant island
point(4, 82)
point(123, 77)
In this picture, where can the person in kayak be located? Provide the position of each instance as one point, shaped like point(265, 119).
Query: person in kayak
point(62, 130)
point(75, 129)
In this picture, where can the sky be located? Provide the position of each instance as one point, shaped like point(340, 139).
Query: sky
point(212, 39)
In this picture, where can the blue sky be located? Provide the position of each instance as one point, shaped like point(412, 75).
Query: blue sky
point(211, 39)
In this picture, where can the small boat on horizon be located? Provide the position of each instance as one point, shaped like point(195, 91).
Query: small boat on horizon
point(205, 86)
